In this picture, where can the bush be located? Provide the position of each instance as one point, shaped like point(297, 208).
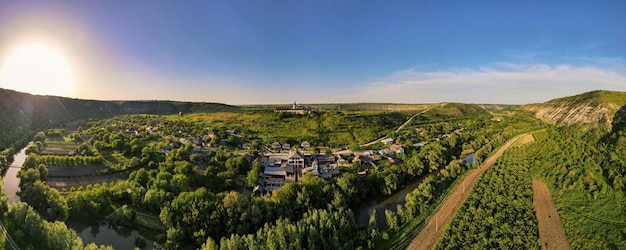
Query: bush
point(140, 242)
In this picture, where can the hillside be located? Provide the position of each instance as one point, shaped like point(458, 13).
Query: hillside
point(22, 113)
point(596, 109)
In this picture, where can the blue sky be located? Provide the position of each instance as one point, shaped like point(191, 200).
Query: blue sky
point(246, 52)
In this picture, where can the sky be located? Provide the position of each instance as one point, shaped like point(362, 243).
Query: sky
point(274, 52)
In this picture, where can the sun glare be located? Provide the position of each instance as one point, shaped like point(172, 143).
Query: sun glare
point(37, 69)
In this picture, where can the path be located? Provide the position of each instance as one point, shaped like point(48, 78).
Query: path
point(398, 129)
point(430, 234)
point(551, 231)
point(410, 119)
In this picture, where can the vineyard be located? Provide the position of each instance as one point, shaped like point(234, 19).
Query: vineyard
point(540, 136)
point(499, 212)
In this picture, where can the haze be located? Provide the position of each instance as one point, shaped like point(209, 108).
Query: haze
point(247, 52)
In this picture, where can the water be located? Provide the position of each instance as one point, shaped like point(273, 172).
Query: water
point(11, 181)
point(470, 158)
point(381, 202)
point(101, 233)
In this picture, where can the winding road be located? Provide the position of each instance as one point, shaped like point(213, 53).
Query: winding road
point(430, 234)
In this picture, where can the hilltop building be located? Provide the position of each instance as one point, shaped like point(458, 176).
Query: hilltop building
point(295, 109)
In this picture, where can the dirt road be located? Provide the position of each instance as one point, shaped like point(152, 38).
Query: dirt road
point(551, 231)
point(429, 236)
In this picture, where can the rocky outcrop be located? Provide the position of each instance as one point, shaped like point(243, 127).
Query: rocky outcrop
point(591, 110)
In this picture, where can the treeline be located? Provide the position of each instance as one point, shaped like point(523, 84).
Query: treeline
point(499, 212)
point(318, 229)
point(58, 160)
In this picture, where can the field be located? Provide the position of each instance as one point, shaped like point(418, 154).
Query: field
point(328, 129)
point(526, 139)
point(68, 181)
point(58, 147)
point(66, 177)
point(432, 231)
point(599, 222)
point(540, 135)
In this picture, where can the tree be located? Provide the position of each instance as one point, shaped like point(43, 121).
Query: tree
point(392, 220)
point(40, 137)
point(253, 176)
point(237, 164)
point(47, 201)
point(206, 221)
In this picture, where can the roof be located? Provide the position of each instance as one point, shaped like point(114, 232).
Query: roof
point(275, 171)
point(296, 154)
point(387, 141)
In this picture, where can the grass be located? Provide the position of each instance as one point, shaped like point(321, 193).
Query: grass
point(58, 147)
point(594, 223)
point(149, 221)
point(113, 157)
point(331, 128)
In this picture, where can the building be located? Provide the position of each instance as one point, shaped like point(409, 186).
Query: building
point(387, 141)
point(305, 144)
point(295, 109)
point(282, 168)
point(397, 149)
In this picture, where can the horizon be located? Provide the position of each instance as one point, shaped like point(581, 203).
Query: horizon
point(315, 103)
point(241, 53)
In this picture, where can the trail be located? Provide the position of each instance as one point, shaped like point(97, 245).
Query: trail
point(429, 236)
point(551, 233)
point(398, 129)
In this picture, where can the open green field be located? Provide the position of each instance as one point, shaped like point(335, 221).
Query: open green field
point(330, 128)
point(58, 147)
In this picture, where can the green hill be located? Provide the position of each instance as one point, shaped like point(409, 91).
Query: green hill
point(596, 109)
point(22, 114)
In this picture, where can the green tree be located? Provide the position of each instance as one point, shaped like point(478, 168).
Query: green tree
point(253, 175)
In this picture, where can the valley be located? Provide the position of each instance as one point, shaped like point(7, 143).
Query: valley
point(195, 175)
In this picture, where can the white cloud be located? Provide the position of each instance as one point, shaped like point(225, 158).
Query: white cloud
point(505, 83)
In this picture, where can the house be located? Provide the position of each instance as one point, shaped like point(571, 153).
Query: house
point(286, 146)
point(305, 144)
point(397, 149)
point(276, 145)
point(387, 151)
point(281, 168)
point(362, 159)
point(387, 141)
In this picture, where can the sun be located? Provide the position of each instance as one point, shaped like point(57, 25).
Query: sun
point(37, 69)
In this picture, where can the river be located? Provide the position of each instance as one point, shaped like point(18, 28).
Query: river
point(11, 181)
point(100, 233)
point(382, 202)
